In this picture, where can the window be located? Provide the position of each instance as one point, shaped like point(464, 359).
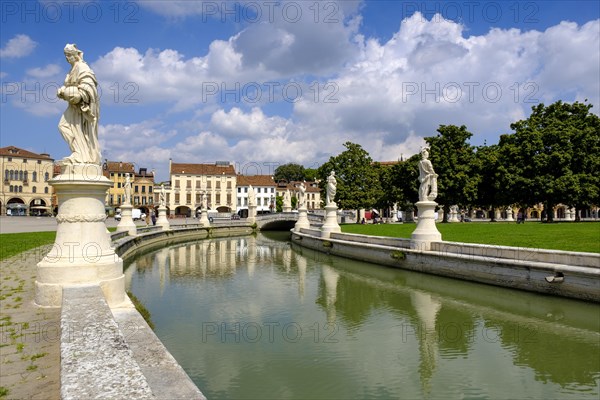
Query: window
point(46, 176)
point(239, 203)
point(228, 185)
point(188, 184)
point(272, 190)
point(198, 185)
point(218, 185)
point(168, 199)
point(245, 201)
point(218, 198)
point(119, 185)
point(25, 176)
point(143, 189)
point(20, 189)
point(176, 198)
point(9, 158)
point(245, 190)
point(177, 184)
point(6, 174)
point(12, 175)
point(135, 189)
point(209, 185)
point(188, 198)
point(46, 189)
point(20, 175)
point(24, 161)
point(228, 198)
point(149, 189)
point(39, 161)
point(239, 190)
point(34, 189)
point(34, 176)
point(112, 199)
point(10, 189)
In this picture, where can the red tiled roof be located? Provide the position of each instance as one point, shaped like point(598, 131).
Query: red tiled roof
point(119, 166)
point(12, 151)
point(202, 169)
point(255, 180)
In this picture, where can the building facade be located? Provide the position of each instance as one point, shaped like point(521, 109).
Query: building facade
point(190, 181)
point(142, 186)
point(264, 189)
point(25, 189)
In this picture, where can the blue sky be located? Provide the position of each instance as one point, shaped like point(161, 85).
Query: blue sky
point(265, 83)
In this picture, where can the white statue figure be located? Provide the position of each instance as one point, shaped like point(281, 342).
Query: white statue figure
point(287, 199)
point(331, 188)
point(79, 123)
point(127, 187)
point(162, 196)
point(301, 196)
point(427, 177)
point(251, 196)
point(204, 203)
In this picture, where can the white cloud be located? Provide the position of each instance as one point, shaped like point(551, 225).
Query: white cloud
point(135, 136)
point(19, 46)
point(48, 71)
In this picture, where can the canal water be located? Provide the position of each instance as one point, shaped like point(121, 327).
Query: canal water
point(260, 318)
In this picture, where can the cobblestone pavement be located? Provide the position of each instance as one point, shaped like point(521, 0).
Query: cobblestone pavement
point(29, 335)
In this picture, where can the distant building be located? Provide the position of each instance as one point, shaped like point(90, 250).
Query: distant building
point(264, 188)
point(189, 181)
point(115, 171)
point(313, 192)
point(25, 189)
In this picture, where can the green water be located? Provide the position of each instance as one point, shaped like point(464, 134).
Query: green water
point(259, 318)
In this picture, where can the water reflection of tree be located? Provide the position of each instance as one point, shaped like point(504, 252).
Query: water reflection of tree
point(564, 356)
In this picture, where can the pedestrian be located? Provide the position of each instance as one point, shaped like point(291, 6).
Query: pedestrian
point(153, 217)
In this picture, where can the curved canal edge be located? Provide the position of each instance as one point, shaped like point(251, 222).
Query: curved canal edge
point(560, 273)
point(112, 352)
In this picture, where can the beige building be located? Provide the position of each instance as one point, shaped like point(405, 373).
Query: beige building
point(142, 185)
point(25, 189)
point(313, 192)
point(189, 181)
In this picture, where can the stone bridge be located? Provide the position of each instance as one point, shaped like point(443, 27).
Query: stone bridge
point(283, 221)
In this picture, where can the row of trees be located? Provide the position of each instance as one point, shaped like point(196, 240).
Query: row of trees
point(552, 157)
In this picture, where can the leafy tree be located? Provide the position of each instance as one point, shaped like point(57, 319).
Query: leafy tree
point(358, 183)
point(452, 159)
point(289, 172)
point(554, 156)
point(490, 179)
point(310, 174)
point(405, 181)
point(279, 203)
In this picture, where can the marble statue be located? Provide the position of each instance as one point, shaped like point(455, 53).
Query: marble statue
point(162, 196)
point(79, 123)
point(301, 196)
point(331, 188)
point(251, 196)
point(127, 187)
point(204, 203)
point(427, 177)
point(287, 200)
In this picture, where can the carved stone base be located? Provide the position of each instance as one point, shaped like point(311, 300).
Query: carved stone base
point(126, 223)
point(82, 253)
point(331, 224)
point(204, 221)
point(426, 231)
point(251, 215)
point(162, 220)
point(302, 220)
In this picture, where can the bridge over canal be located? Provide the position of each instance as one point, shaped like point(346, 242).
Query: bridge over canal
point(283, 221)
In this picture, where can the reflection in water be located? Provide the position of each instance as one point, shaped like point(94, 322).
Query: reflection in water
point(254, 317)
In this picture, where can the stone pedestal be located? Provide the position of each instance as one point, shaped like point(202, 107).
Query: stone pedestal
point(287, 209)
point(509, 215)
point(302, 220)
point(82, 253)
point(453, 214)
point(126, 223)
point(497, 214)
point(331, 223)
point(426, 231)
point(204, 221)
point(162, 220)
point(251, 215)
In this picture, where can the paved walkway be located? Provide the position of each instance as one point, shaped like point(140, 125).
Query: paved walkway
point(29, 335)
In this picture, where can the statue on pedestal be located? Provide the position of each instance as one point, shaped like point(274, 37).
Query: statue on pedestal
point(162, 196)
point(331, 189)
point(301, 196)
point(251, 196)
point(427, 177)
point(79, 123)
point(127, 187)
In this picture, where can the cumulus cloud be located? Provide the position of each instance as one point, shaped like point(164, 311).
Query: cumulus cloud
point(50, 70)
point(19, 46)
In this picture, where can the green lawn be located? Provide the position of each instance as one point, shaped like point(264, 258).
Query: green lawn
point(15, 243)
point(581, 236)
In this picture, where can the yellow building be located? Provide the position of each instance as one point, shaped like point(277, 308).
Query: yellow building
point(142, 185)
point(25, 189)
point(189, 181)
